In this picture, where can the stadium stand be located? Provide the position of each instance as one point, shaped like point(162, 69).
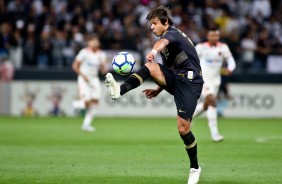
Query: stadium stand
point(45, 34)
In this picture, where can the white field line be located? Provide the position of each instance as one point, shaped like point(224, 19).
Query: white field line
point(272, 139)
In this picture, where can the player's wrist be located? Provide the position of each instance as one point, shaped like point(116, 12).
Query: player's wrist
point(159, 89)
point(154, 52)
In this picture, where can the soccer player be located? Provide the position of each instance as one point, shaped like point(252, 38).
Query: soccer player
point(87, 64)
point(180, 75)
point(212, 55)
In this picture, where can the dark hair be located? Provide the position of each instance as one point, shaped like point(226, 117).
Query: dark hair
point(214, 28)
point(161, 13)
point(92, 37)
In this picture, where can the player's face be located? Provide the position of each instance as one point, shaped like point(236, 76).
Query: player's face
point(213, 37)
point(94, 44)
point(157, 27)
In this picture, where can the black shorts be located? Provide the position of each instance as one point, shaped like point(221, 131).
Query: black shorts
point(186, 94)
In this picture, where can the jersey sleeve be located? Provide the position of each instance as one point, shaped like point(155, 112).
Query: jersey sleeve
point(226, 51)
point(169, 36)
point(231, 64)
point(81, 55)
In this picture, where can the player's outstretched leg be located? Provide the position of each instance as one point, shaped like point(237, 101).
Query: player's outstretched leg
point(199, 109)
point(133, 81)
point(114, 87)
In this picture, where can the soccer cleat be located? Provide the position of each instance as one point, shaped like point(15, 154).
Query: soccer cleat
point(88, 128)
point(217, 138)
point(194, 175)
point(114, 87)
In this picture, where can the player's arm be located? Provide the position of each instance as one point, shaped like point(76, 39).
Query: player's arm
point(158, 46)
point(159, 89)
point(151, 93)
point(231, 64)
point(75, 67)
point(198, 48)
point(103, 67)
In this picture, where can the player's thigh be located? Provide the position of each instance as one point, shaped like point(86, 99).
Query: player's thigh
point(156, 73)
point(209, 89)
point(186, 97)
point(95, 89)
point(89, 90)
point(163, 76)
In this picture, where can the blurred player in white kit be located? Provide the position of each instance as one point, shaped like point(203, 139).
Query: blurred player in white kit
point(87, 64)
point(212, 55)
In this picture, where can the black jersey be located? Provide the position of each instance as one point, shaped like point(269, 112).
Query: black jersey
point(181, 56)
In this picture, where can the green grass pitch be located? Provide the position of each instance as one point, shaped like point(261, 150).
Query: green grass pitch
point(137, 151)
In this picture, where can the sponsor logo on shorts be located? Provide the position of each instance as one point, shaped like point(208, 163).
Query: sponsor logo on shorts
point(181, 111)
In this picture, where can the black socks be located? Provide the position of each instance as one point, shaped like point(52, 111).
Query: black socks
point(135, 80)
point(191, 148)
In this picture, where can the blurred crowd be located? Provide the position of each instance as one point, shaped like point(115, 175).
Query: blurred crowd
point(46, 33)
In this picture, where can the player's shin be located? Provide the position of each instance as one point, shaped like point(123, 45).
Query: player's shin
point(191, 148)
point(89, 116)
point(135, 80)
point(212, 120)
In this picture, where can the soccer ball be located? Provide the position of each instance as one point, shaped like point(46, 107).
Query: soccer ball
point(123, 63)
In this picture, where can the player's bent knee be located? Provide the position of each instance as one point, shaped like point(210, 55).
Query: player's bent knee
point(183, 125)
point(183, 131)
point(211, 100)
point(153, 68)
point(183, 128)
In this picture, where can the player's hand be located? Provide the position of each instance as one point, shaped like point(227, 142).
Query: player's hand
point(225, 71)
point(150, 57)
point(151, 93)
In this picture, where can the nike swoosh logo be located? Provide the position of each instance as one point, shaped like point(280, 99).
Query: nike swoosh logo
point(181, 111)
